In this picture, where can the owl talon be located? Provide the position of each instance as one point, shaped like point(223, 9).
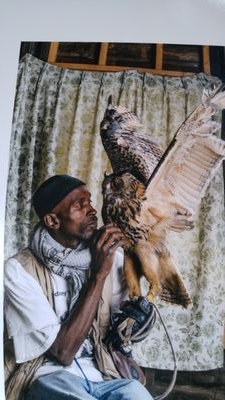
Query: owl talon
point(150, 298)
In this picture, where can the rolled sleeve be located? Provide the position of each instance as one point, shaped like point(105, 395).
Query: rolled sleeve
point(34, 344)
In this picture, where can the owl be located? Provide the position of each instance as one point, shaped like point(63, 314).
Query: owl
point(151, 193)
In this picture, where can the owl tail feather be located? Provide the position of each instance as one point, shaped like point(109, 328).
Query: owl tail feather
point(174, 291)
point(182, 299)
point(161, 273)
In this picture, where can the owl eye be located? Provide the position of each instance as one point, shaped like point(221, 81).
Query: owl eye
point(111, 113)
point(116, 184)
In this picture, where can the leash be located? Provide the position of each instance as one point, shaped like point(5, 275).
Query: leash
point(172, 383)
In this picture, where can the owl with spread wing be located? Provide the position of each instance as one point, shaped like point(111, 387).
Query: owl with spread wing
point(152, 192)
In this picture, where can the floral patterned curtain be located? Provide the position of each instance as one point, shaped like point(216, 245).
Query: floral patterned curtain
point(56, 130)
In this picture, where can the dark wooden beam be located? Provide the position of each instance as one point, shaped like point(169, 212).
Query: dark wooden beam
point(37, 49)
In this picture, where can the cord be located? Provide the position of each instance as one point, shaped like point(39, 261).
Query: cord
point(171, 386)
point(81, 369)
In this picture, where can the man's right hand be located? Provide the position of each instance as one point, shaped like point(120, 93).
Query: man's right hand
point(108, 238)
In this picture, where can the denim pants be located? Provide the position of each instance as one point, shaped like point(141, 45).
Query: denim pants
point(62, 385)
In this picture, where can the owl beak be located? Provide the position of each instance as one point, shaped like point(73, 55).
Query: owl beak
point(106, 174)
point(110, 100)
point(104, 126)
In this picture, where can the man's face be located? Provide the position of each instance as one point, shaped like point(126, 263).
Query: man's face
point(77, 217)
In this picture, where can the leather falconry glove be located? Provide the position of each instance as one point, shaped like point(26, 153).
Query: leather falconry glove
point(131, 325)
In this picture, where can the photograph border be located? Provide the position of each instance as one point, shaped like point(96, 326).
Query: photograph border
point(186, 21)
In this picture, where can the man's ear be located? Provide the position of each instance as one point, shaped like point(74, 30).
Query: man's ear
point(51, 221)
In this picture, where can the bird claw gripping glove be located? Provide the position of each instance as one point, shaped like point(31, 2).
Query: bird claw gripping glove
point(131, 325)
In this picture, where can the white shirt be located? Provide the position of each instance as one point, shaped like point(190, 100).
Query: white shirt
point(32, 323)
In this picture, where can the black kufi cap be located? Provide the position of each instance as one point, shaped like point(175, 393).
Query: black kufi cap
point(52, 191)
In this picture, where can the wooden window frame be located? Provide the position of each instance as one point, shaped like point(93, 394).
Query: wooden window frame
point(102, 66)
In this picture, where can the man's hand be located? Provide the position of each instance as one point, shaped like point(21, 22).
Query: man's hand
point(108, 238)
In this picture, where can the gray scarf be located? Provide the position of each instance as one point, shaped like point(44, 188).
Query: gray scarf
point(71, 264)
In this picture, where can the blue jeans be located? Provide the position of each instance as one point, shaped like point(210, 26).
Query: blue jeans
point(62, 385)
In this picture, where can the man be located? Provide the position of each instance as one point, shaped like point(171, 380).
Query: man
point(58, 295)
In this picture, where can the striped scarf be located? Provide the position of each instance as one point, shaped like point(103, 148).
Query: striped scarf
point(71, 264)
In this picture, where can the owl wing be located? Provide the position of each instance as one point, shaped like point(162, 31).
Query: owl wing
point(191, 160)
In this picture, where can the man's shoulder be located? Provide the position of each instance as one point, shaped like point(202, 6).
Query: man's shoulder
point(24, 261)
point(25, 252)
point(23, 257)
point(26, 269)
point(14, 270)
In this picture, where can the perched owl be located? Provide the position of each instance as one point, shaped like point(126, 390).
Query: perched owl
point(150, 192)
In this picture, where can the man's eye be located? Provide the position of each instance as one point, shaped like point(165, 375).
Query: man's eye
point(77, 205)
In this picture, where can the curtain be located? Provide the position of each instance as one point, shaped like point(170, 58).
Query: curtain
point(55, 130)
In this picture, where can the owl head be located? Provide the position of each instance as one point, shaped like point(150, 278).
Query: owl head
point(118, 187)
point(118, 118)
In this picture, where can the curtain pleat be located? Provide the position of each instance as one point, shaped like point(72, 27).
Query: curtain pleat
point(55, 130)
